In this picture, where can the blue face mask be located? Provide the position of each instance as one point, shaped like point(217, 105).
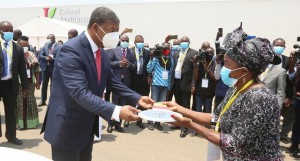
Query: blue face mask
point(139, 45)
point(225, 76)
point(184, 45)
point(8, 36)
point(124, 44)
point(279, 50)
point(176, 47)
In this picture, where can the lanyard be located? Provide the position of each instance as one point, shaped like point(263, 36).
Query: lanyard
point(182, 56)
point(228, 104)
point(165, 62)
point(8, 51)
point(138, 56)
point(207, 68)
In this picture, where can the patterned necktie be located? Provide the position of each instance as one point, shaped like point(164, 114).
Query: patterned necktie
point(124, 53)
point(140, 62)
point(5, 60)
point(98, 64)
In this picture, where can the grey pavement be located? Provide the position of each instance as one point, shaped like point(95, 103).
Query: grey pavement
point(133, 145)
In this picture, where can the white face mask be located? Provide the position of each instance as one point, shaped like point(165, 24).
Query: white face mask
point(25, 49)
point(48, 40)
point(110, 40)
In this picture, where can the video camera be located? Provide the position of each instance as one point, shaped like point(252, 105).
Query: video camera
point(157, 52)
point(297, 48)
point(202, 56)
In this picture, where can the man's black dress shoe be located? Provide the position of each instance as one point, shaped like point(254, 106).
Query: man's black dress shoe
point(42, 103)
point(174, 127)
point(284, 140)
point(119, 128)
point(150, 125)
point(110, 128)
point(183, 133)
point(296, 154)
point(158, 126)
point(140, 124)
point(15, 141)
point(126, 123)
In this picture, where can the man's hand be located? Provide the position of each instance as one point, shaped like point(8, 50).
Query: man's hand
point(49, 58)
point(129, 113)
point(193, 90)
point(146, 102)
point(25, 93)
point(124, 63)
point(37, 85)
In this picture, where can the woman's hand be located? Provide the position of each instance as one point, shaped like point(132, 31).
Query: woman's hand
point(181, 121)
point(172, 106)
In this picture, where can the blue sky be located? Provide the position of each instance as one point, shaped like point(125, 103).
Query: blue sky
point(38, 3)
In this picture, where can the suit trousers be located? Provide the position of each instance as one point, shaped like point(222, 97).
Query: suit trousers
point(85, 154)
point(287, 123)
point(296, 126)
point(10, 106)
point(46, 75)
point(182, 97)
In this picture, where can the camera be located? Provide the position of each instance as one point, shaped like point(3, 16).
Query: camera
point(158, 50)
point(202, 56)
point(297, 48)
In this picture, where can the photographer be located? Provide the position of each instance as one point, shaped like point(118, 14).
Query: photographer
point(205, 80)
point(161, 66)
point(296, 125)
point(221, 88)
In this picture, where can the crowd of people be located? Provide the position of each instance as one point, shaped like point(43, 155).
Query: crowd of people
point(250, 80)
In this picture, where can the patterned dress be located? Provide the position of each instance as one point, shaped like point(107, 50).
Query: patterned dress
point(27, 111)
point(250, 127)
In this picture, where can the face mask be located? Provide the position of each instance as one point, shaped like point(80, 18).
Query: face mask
point(25, 49)
point(124, 44)
point(278, 50)
point(110, 40)
point(49, 41)
point(184, 45)
point(166, 52)
point(8, 36)
point(176, 47)
point(139, 45)
point(225, 76)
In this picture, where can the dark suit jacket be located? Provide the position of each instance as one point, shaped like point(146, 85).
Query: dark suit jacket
point(146, 58)
point(18, 68)
point(1, 64)
point(75, 99)
point(187, 80)
point(115, 56)
point(44, 53)
point(289, 83)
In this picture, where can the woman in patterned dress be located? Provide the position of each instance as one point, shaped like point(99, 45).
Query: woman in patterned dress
point(247, 121)
point(27, 112)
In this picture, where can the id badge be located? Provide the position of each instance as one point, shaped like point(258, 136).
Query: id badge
point(204, 83)
point(165, 75)
point(177, 74)
point(28, 73)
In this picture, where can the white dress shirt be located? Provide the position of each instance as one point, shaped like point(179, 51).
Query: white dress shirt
point(9, 59)
point(116, 114)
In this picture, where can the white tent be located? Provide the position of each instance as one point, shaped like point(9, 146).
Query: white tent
point(38, 28)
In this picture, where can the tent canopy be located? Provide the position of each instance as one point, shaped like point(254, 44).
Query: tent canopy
point(40, 27)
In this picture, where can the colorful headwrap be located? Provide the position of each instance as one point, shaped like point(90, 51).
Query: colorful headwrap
point(255, 54)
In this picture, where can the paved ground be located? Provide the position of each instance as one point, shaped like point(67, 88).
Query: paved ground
point(134, 144)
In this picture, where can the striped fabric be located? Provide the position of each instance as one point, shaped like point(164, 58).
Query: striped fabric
point(156, 69)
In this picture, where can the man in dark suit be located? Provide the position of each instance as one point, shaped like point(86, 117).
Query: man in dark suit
point(139, 81)
point(13, 67)
point(184, 82)
point(287, 111)
point(47, 58)
point(123, 63)
point(82, 71)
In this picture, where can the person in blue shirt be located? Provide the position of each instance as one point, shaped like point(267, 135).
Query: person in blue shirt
point(161, 67)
